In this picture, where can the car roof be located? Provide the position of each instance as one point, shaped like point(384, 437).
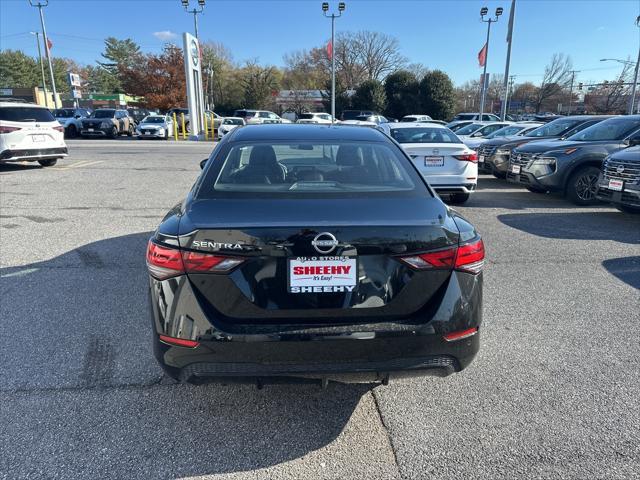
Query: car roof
point(298, 131)
point(21, 104)
point(233, 118)
point(416, 124)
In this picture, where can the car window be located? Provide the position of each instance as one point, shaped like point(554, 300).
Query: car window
point(612, 129)
point(491, 128)
point(554, 128)
point(63, 113)
point(469, 129)
point(301, 168)
point(232, 121)
point(263, 115)
point(424, 135)
point(153, 119)
point(25, 114)
point(504, 131)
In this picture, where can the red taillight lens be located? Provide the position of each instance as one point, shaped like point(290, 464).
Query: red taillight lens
point(59, 129)
point(180, 342)
point(466, 258)
point(5, 129)
point(453, 336)
point(470, 157)
point(166, 262)
point(470, 257)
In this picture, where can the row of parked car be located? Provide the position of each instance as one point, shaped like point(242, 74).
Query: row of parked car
point(585, 158)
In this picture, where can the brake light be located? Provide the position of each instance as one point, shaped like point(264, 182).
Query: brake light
point(470, 257)
point(453, 336)
point(466, 258)
point(166, 262)
point(180, 342)
point(6, 129)
point(469, 157)
point(59, 129)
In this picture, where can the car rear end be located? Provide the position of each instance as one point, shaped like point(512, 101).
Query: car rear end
point(30, 133)
point(256, 281)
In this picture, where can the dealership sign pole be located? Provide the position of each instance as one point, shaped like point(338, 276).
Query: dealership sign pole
point(505, 86)
point(193, 74)
point(483, 56)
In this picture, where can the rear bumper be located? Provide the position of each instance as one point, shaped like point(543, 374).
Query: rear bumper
point(454, 188)
point(343, 352)
point(32, 155)
point(95, 133)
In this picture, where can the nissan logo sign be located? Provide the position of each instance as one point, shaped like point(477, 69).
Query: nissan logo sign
point(620, 169)
point(324, 242)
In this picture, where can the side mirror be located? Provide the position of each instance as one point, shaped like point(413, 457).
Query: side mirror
point(203, 163)
point(77, 116)
point(633, 142)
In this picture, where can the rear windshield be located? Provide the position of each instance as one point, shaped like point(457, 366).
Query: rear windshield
point(469, 129)
point(612, 129)
point(64, 113)
point(153, 120)
point(103, 114)
point(25, 114)
point(504, 131)
point(232, 121)
point(554, 129)
point(351, 114)
point(424, 135)
point(465, 116)
point(295, 169)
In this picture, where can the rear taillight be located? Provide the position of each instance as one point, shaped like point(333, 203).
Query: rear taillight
point(469, 157)
point(166, 262)
point(470, 257)
point(59, 129)
point(180, 342)
point(5, 129)
point(466, 258)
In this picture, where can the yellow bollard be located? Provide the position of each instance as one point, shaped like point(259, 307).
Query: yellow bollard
point(206, 127)
point(175, 127)
point(184, 129)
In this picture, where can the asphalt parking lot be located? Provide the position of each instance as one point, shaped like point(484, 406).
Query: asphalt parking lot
point(553, 393)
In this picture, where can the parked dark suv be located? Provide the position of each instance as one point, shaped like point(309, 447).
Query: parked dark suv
point(107, 122)
point(572, 166)
point(494, 154)
point(619, 182)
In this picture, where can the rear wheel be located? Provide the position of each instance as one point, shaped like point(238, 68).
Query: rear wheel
point(628, 209)
point(48, 163)
point(166, 135)
point(130, 131)
point(500, 175)
point(114, 132)
point(583, 185)
point(536, 189)
point(458, 198)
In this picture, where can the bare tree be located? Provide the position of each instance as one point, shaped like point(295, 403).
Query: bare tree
point(557, 77)
point(378, 54)
point(612, 97)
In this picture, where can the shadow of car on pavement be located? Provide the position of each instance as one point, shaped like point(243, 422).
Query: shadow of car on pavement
point(626, 269)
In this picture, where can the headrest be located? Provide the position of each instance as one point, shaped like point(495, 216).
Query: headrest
point(349, 156)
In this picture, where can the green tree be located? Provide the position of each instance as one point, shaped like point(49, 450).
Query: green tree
point(401, 88)
point(259, 83)
point(370, 95)
point(120, 55)
point(437, 95)
point(18, 70)
point(98, 80)
point(343, 99)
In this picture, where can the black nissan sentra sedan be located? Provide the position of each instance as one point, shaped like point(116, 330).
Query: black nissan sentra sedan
point(317, 252)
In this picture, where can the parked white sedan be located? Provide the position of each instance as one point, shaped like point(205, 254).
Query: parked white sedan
point(515, 129)
point(315, 117)
point(228, 124)
point(155, 126)
point(449, 166)
point(29, 132)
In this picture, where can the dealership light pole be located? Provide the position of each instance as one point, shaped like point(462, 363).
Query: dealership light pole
point(44, 83)
point(505, 86)
point(489, 21)
point(195, 11)
point(39, 5)
point(333, 16)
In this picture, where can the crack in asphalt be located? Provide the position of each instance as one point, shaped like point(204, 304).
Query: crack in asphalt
point(387, 432)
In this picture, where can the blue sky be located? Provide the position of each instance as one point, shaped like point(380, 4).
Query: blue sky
point(440, 34)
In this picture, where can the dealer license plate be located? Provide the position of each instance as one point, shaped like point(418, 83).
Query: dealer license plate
point(515, 169)
point(322, 274)
point(90, 129)
point(433, 161)
point(616, 185)
point(481, 159)
point(38, 138)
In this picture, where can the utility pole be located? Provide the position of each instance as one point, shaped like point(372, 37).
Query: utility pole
point(512, 79)
point(635, 78)
point(573, 76)
point(483, 12)
point(333, 16)
point(39, 5)
point(505, 87)
point(44, 83)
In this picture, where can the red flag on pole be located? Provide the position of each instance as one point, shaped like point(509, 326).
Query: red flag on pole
point(482, 55)
point(329, 50)
point(49, 43)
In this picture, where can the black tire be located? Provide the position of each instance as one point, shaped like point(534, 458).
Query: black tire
point(48, 163)
point(500, 175)
point(166, 135)
point(114, 132)
point(130, 131)
point(71, 131)
point(536, 189)
point(582, 186)
point(458, 198)
point(628, 209)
